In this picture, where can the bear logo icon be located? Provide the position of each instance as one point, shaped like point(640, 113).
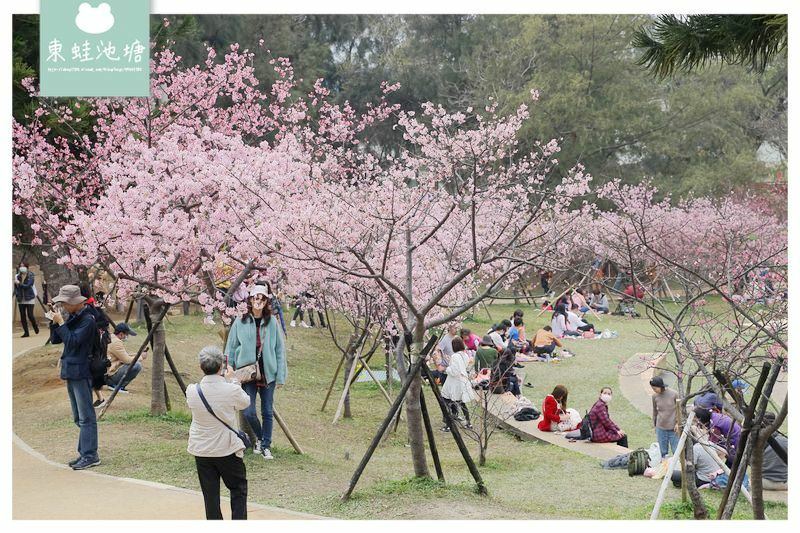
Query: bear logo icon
point(94, 20)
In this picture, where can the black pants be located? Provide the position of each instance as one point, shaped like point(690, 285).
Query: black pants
point(441, 376)
point(676, 479)
point(623, 441)
point(587, 327)
point(453, 406)
point(541, 350)
point(232, 471)
point(512, 385)
point(27, 309)
point(311, 318)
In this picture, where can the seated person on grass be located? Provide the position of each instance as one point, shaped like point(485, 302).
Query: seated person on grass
point(471, 341)
point(560, 323)
point(576, 323)
point(579, 300)
point(603, 428)
point(546, 306)
point(598, 301)
point(544, 343)
point(121, 360)
point(775, 474)
point(503, 378)
point(554, 409)
point(629, 292)
point(706, 469)
point(495, 336)
point(516, 335)
point(722, 429)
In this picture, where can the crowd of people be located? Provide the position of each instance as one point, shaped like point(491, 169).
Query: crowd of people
point(245, 375)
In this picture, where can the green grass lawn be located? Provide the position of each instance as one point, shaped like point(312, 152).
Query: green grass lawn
point(525, 479)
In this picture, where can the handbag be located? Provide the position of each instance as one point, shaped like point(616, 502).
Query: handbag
point(248, 373)
point(239, 433)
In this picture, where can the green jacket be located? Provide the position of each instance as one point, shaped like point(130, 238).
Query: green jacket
point(241, 348)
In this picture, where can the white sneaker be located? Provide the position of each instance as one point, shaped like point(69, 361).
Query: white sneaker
point(257, 450)
point(267, 454)
point(293, 324)
point(304, 325)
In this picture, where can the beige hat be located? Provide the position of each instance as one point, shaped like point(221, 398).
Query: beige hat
point(258, 289)
point(69, 294)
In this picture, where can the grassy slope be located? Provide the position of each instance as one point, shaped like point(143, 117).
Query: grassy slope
point(525, 479)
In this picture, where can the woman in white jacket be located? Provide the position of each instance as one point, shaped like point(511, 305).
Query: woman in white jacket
point(457, 389)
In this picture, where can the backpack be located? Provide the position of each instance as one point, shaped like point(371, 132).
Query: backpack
point(586, 428)
point(98, 357)
point(638, 461)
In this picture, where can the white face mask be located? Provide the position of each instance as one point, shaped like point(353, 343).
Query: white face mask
point(606, 398)
point(23, 270)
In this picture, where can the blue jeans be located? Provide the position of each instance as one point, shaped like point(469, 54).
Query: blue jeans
point(666, 438)
point(112, 381)
point(267, 395)
point(80, 397)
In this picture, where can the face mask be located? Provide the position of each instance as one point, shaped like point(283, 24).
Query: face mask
point(23, 270)
point(606, 398)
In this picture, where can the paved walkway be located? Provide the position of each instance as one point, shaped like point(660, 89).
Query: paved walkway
point(43, 489)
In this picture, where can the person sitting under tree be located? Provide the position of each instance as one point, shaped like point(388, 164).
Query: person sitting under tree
point(603, 428)
point(121, 360)
point(545, 343)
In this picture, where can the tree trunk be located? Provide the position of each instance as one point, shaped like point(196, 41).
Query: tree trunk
point(56, 275)
point(350, 360)
point(158, 401)
point(698, 504)
point(416, 431)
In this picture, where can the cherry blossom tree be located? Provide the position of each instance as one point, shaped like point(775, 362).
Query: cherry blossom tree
point(168, 203)
point(438, 227)
point(729, 248)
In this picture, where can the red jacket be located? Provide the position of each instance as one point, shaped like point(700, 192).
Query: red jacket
point(603, 428)
point(550, 413)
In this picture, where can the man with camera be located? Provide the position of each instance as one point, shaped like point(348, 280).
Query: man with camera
point(76, 332)
point(214, 440)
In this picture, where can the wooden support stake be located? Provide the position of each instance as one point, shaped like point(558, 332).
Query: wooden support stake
point(389, 416)
point(346, 390)
point(130, 309)
point(455, 432)
point(671, 467)
point(431, 440)
point(747, 425)
point(174, 369)
point(333, 382)
point(285, 428)
point(684, 492)
point(375, 379)
point(135, 359)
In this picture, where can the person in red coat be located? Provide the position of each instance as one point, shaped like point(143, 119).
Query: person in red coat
point(603, 428)
point(630, 293)
point(554, 409)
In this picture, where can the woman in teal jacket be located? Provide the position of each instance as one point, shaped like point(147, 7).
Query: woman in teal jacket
point(257, 338)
